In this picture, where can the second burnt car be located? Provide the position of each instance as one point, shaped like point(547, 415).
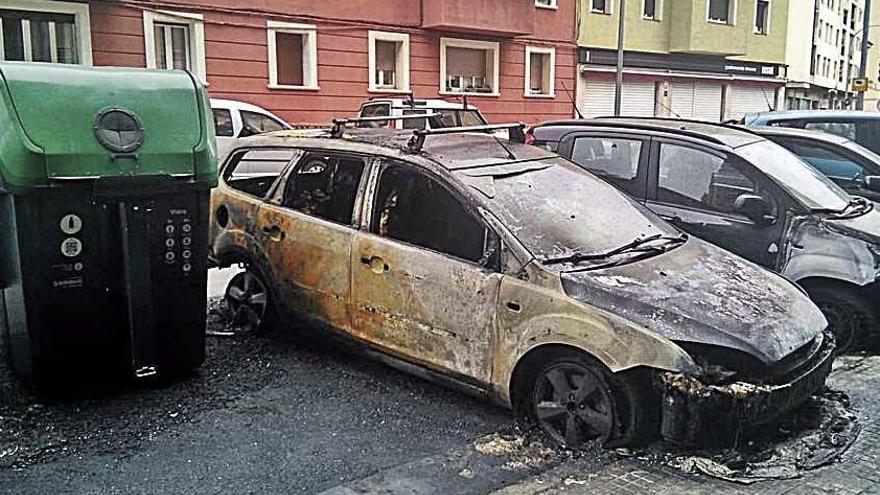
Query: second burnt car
point(516, 275)
point(747, 194)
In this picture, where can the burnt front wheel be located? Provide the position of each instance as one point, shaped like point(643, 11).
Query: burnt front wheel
point(247, 299)
point(575, 400)
point(849, 316)
point(573, 404)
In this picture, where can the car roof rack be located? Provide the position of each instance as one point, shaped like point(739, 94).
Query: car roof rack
point(517, 133)
point(339, 124)
point(727, 124)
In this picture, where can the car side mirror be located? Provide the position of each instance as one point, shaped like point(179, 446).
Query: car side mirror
point(872, 183)
point(753, 207)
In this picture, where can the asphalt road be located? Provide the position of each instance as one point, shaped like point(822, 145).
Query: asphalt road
point(285, 414)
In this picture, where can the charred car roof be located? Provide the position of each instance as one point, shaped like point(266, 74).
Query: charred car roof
point(452, 152)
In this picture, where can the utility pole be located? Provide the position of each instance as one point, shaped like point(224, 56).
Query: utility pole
point(618, 84)
point(863, 69)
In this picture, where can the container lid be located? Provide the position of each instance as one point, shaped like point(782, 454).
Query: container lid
point(84, 122)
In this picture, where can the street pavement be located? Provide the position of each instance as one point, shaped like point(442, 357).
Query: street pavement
point(295, 413)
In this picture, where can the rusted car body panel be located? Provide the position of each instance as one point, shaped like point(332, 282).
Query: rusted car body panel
point(475, 322)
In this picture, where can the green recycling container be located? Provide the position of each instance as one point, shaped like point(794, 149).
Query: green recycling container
point(105, 176)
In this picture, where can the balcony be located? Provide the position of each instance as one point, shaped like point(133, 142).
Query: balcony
point(503, 18)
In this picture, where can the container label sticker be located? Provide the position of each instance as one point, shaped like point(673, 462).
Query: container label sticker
point(71, 224)
point(71, 247)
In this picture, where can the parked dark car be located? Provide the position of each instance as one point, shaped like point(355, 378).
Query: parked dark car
point(851, 166)
point(861, 127)
point(514, 274)
point(746, 194)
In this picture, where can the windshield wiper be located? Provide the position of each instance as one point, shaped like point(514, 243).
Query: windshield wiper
point(635, 246)
point(857, 207)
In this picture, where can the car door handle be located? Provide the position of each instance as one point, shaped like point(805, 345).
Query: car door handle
point(670, 218)
point(375, 264)
point(514, 306)
point(274, 232)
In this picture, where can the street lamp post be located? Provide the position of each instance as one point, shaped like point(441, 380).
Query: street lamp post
point(866, 26)
point(618, 83)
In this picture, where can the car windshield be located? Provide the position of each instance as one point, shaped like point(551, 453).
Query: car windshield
point(805, 183)
point(862, 151)
point(557, 210)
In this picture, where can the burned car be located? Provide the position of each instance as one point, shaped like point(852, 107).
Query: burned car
point(514, 274)
point(743, 192)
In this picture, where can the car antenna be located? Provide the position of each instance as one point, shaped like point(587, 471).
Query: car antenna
point(410, 99)
point(573, 104)
point(464, 100)
point(667, 108)
point(767, 100)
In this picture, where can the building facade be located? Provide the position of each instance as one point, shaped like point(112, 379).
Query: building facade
point(312, 61)
point(872, 71)
point(821, 79)
point(709, 60)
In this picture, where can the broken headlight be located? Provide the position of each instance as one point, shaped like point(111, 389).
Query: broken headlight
point(722, 365)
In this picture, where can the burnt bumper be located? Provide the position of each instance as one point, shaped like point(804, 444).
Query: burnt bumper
point(693, 412)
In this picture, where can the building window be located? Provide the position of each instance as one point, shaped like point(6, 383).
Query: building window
point(762, 16)
point(651, 9)
point(722, 11)
point(540, 71)
point(545, 4)
point(175, 40)
point(389, 62)
point(45, 31)
point(469, 67)
point(600, 6)
point(293, 55)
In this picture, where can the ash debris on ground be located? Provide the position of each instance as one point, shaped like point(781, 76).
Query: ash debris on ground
point(114, 420)
point(814, 435)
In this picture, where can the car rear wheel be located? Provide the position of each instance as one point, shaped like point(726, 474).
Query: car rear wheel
point(575, 401)
point(849, 316)
point(247, 298)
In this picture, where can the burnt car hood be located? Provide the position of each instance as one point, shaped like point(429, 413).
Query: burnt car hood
point(702, 294)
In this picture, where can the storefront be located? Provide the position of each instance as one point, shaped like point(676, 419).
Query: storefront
point(685, 86)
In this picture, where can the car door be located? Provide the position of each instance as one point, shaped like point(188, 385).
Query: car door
point(425, 276)
point(845, 168)
point(619, 159)
point(306, 233)
point(697, 189)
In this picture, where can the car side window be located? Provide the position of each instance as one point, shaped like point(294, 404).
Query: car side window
point(612, 158)
point(375, 110)
point(223, 122)
point(256, 123)
point(696, 179)
point(415, 123)
point(325, 186)
point(254, 171)
point(415, 208)
point(843, 129)
point(831, 163)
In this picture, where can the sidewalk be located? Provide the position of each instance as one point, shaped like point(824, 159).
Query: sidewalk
point(857, 472)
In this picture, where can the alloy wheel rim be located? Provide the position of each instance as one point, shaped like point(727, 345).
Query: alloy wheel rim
point(573, 405)
point(247, 299)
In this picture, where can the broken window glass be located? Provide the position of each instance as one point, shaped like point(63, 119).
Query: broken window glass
point(417, 209)
point(325, 186)
point(253, 172)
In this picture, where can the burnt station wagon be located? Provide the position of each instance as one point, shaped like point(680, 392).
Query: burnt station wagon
point(740, 191)
point(514, 274)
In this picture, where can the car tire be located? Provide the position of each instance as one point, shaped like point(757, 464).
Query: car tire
point(249, 302)
point(851, 318)
point(575, 400)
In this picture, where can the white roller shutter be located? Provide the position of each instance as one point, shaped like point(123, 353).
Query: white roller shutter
point(697, 100)
point(747, 99)
point(638, 99)
point(595, 96)
point(683, 99)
